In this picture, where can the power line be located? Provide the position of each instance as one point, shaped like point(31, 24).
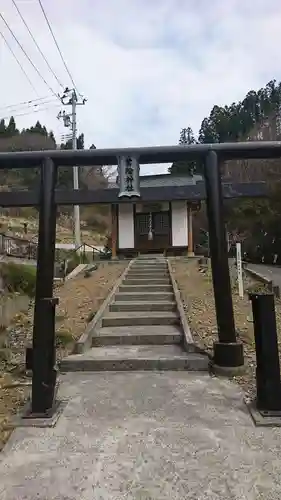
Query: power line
point(26, 108)
point(25, 102)
point(31, 112)
point(18, 61)
point(30, 33)
point(26, 55)
point(57, 45)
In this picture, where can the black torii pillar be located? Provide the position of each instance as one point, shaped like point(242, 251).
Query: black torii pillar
point(228, 352)
point(43, 353)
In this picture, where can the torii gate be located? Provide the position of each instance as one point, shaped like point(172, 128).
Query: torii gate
point(228, 351)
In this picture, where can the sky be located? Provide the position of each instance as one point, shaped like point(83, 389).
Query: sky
point(147, 67)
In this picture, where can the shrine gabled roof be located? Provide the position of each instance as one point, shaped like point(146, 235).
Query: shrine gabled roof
point(164, 180)
point(167, 187)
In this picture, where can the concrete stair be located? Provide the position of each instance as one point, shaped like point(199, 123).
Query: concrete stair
point(138, 335)
point(145, 287)
point(147, 281)
point(145, 296)
point(141, 329)
point(137, 318)
point(135, 358)
point(144, 305)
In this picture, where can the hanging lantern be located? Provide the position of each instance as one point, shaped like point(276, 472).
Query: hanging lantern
point(129, 176)
point(150, 233)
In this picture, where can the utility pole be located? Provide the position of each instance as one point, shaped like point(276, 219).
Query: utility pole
point(69, 98)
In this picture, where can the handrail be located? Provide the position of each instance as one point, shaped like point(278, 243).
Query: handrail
point(23, 242)
point(14, 246)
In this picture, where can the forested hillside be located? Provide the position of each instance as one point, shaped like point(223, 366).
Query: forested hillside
point(39, 138)
point(256, 118)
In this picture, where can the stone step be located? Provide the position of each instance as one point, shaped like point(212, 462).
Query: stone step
point(144, 263)
point(145, 281)
point(149, 263)
point(145, 288)
point(135, 296)
point(137, 335)
point(153, 276)
point(147, 274)
point(148, 270)
point(142, 306)
point(149, 258)
point(159, 265)
point(135, 358)
point(140, 318)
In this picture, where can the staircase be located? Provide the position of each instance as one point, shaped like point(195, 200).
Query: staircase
point(141, 328)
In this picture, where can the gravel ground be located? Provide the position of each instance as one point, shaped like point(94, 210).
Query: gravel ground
point(79, 300)
point(197, 296)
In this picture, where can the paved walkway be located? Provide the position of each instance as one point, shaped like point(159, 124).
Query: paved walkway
point(273, 273)
point(145, 436)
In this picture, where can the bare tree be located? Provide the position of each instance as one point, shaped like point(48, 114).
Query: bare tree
point(97, 177)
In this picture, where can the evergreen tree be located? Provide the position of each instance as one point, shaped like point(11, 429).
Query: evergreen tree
point(2, 128)
point(11, 129)
point(38, 129)
point(51, 135)
point(235, 122)
point(188, 167)
point(187, 136)
point(65, 177)
point(80, 143)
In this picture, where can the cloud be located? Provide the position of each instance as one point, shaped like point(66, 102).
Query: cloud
point(147, 68)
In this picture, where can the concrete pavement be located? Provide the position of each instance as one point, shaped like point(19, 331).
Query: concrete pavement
point(273, 273)
point(145, 436)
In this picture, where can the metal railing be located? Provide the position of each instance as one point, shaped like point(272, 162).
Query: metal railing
point(83, 251)
point(17, 247)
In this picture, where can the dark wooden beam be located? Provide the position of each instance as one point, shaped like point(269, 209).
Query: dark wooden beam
point(145, 155)
point(150, 194)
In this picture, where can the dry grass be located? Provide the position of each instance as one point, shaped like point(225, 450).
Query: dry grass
point(81, 298)
point(197, 296)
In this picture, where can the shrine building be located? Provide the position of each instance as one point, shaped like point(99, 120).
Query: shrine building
point(160, 220)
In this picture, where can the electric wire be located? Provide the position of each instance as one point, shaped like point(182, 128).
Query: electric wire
point(57, 45)
point(35, 42)
point(18, 61)
point(28, 109)
point(31, 112)
point(26, 55)
point(37, 102)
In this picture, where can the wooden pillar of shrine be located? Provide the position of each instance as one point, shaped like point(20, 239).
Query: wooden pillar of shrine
point(114, 222)
point(190, 251)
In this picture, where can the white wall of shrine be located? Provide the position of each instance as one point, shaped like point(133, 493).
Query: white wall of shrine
point(179, 218)
point(126, 234)
point(179, 224)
